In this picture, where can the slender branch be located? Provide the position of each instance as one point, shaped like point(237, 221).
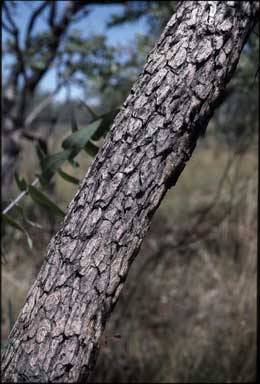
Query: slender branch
point(32, 21)
point(39, 108)
point(30, 118)
point(52, 15)
point(43, 104)
point(9, 17)
point(56, 336)
point(81, 16)
point(59, 31)
point(19, 67)
point(18, 198)
point(15, 32)
point(7, 28)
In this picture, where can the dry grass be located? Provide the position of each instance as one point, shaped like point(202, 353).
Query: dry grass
point(188, 313)
point(188, 309)
point(191, 317)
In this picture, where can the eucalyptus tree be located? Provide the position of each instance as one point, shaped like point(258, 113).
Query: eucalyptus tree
point(56, 336)
point(46, 40)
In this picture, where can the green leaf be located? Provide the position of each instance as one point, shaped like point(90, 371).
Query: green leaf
point(73, 163)
point(51, 164)
point(77, 141)
point(38, 65)
point(44, 201)
point(68, 177)
point(74, 124)
point(91, 149)
point(21, 183)
point(72, 146)
point(39, 151)
point(73, 47)
point(107, 120)
point(13, 223)
point(20, 210)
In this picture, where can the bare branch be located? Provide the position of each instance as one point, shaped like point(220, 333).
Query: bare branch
point(144, 154)
point(40, 107)
point(52, 15)
point(59, 30)
point(32, 21)
point(18, 198)
point(15, 32)
point(19, 68)
point(81, 16)
point(7, 28)
point(9, 17)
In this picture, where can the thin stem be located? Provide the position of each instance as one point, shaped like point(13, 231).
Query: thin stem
point(18, 198)
point(43, 104)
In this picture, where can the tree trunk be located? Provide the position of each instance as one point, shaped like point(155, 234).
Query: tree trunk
point(57, 333)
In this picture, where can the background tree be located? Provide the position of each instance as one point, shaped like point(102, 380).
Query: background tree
point(155, 143)
point(27, 66)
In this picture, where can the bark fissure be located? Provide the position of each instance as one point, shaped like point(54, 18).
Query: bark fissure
point(153, 136)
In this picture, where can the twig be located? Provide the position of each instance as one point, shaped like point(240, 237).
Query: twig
point(7, 28)
point(52, 15)
point(9, 17)
point(31, 23)
point(58, 32)
point(19, 197)
point(13, 30)
point(40, 107)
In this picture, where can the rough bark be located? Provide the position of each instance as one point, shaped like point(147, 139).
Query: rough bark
point(56, 335)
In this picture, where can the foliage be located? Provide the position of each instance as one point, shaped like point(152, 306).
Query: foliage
point(79, 140)
point(106, 73)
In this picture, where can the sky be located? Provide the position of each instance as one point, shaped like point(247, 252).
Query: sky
point(94, 23)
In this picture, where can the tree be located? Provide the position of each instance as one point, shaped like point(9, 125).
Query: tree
point(29, 65)
point(30, 56)
point(57, 333)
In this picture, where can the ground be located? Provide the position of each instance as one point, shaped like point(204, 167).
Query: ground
point(188, 310)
